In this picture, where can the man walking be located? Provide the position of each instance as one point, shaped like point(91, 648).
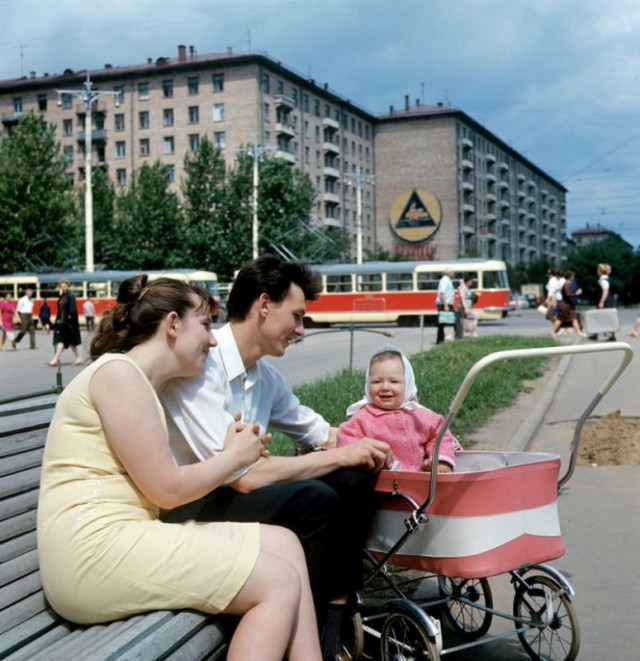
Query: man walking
point(27, 325)
point(446, 303)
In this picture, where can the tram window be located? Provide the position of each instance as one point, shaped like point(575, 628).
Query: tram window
point(339, 283)
point(494, 280)
point(370, 282)
point(399, 281)
point(428, 281)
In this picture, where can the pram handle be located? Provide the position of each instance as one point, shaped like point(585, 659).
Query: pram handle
point(530, 353)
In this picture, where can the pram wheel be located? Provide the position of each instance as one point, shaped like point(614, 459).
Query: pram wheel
point(553, 632)
point(352, 635)
point(467, 599)
point(404, 637)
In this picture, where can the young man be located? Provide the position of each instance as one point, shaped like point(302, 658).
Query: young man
point(27, 324)
point(324, 497)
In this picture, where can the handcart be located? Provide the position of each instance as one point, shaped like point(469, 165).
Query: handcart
point(497, 514)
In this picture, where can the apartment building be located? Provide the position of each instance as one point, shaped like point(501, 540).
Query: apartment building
point(446, 187)
point(427, 182)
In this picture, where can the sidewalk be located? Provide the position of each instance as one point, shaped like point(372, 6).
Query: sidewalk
point(599, 507)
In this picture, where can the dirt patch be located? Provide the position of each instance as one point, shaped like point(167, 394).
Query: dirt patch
point(611, 440)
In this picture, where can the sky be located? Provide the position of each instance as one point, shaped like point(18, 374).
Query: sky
point(557, 80)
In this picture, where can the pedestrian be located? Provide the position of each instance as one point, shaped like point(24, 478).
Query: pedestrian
point(567, 309)
point(107, 471)
point(636, 328)
point(390, 412)
point(66, 330)
point(325, 497)
point(469, 319)
point(27, 323)
point(89, 311)
point(8, 315)
point(445, 302)
point(44, 314)
point(606, 299)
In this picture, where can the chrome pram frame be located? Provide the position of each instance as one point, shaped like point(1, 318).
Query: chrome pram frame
point(406, 625)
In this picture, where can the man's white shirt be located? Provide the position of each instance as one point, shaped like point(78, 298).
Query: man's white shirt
point(200, 409)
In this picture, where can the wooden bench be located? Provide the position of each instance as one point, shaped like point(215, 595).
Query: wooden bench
point(29, 627)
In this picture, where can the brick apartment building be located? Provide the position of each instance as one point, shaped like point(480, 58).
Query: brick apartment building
point(427, 181)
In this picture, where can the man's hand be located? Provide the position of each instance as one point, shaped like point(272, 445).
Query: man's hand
point(366, 453)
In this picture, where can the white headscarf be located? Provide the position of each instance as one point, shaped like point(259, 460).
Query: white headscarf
point(410, 388)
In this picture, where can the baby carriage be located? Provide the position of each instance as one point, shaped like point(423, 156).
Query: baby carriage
point(436, 539)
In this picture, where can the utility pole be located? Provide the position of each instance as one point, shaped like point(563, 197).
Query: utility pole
point(89, 96)
point(255, 151)
point(358, 178)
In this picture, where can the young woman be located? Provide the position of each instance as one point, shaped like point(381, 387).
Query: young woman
point(107, 470)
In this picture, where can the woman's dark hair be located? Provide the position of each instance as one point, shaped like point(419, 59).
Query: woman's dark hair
point(270, 275)
point(141, 305)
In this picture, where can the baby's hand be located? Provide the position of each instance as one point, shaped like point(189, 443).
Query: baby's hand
point(443, 466)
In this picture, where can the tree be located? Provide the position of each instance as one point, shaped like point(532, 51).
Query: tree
point(149, 233)
point(36, 199)
point(203, 192)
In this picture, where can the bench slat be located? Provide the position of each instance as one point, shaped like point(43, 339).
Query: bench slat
point(17, 546)
point(25, 480)
point(20, 442)
point(17, 568)
point(23, 502)
point(18, 462)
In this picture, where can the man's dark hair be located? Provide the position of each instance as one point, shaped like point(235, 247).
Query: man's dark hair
point(273, 276)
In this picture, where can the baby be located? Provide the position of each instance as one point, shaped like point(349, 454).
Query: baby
point(390, 412)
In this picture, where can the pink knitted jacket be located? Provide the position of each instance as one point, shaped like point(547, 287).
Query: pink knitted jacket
point(410, 433)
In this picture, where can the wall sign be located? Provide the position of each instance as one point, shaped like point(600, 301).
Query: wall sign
point(415, 215)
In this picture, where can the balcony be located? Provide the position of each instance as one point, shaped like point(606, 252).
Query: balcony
point(284, 128)
point(327, 221)
point(331, 173)
point(465, 142)
point(491, 158)
point(468, 208)
point(282, 101)
point(97, 134)
point(467, 164)
point(467, 185)
point(330, 124)
point(491, 177)
point(331, 198)
point(331, 147)
point(285, 156)
point(503, 166)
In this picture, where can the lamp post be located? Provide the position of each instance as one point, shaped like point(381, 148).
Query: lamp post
point(358, 178)
point(255, 151)
point(89, 96)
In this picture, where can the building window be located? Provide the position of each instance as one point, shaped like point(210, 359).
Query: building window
point(119, 90)
point(193, 85)
point(316, 107)
point(171, 173)
point(194, 114)
point(265, 112)
point(168, 145)
point(65, 99)
point(306, 129)
point(194, 141)
point(280, 87)
point(305, 102)
point(167, 117)
point(218, 112)
point(217, 80)
point(119, 122)
point(143, 91)
point(121, 177)
point(143, 119)
point(144, 147)
point(265, 83)
point(42, 102)
point(167, 89)
point(121, 149)
point(220, 139)
point(67, 127)
point(68, 153)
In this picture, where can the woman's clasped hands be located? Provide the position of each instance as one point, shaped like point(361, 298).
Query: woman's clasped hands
point(244, 439)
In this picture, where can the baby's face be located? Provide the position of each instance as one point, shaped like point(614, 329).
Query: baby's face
point(386, 383)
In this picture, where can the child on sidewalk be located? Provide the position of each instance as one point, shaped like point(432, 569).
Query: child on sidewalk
point(390, 412)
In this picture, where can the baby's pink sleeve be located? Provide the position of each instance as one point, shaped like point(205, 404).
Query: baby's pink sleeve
point(449, 443)
point(349, 431)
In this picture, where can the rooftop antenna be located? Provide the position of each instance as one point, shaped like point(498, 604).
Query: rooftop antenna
point(249, 39)
point(22, 60)
point(421, 94)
